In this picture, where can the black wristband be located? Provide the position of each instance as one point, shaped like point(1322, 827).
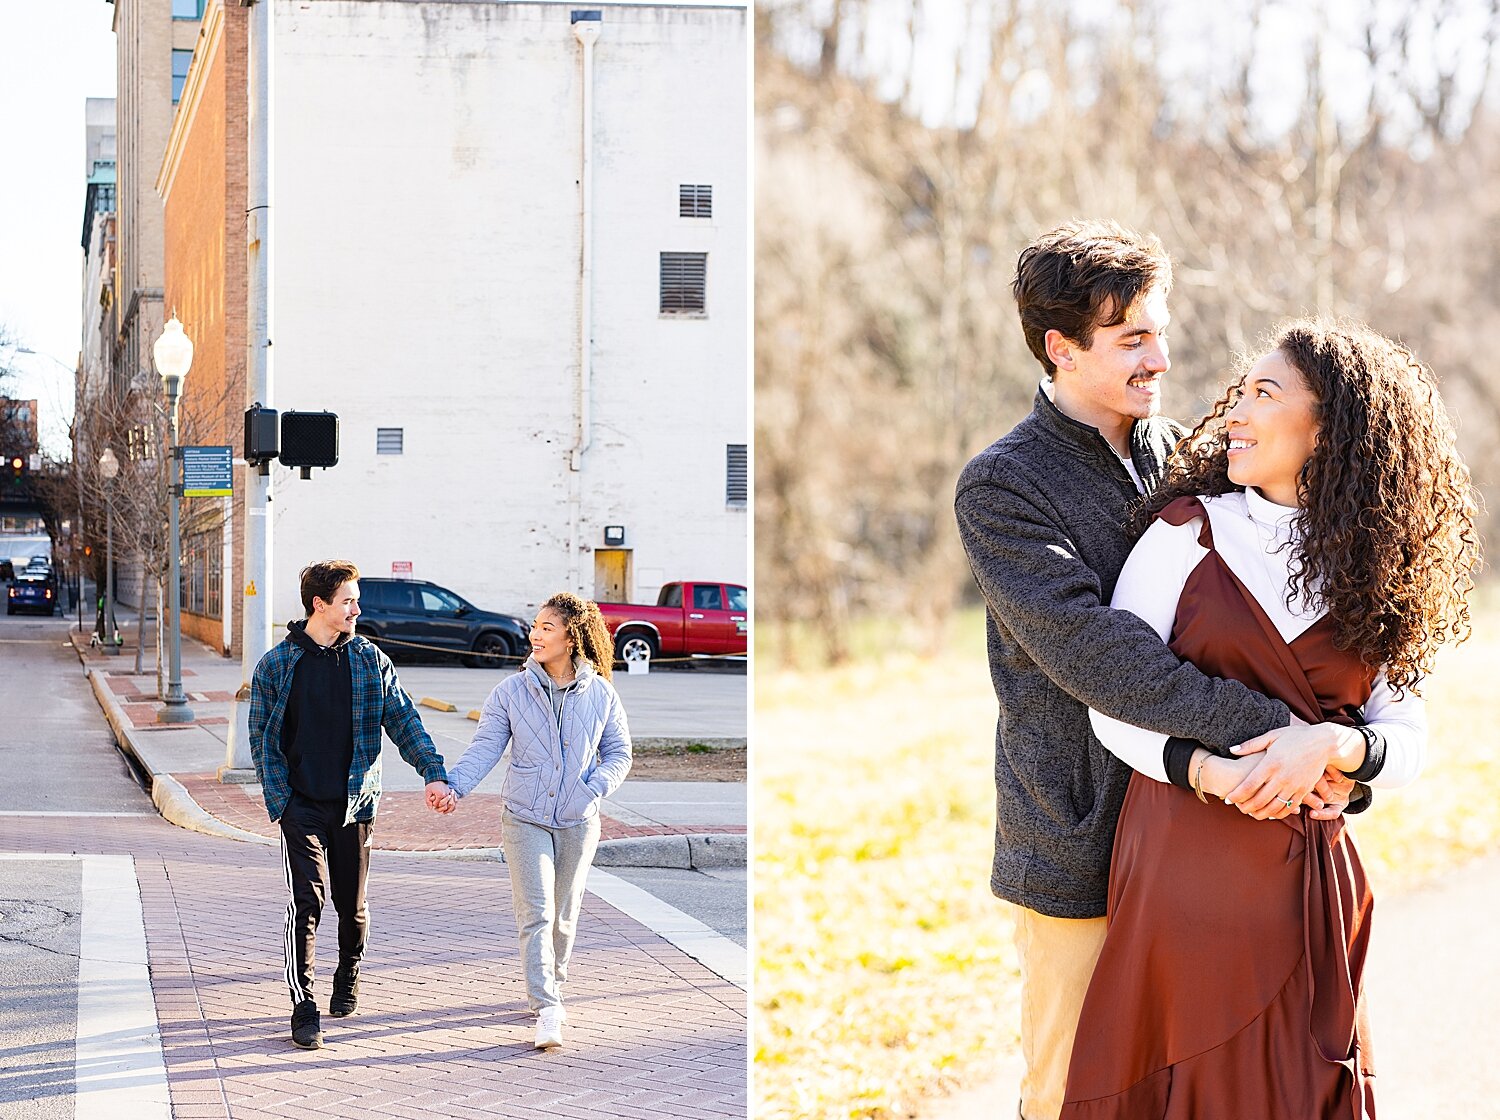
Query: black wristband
point(1361, 799)
point(1374, 761)
point(1177, 756)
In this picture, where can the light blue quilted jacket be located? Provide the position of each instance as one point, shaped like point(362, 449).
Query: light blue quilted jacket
point(561, 765)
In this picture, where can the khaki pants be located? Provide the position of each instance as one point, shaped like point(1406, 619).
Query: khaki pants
point(1057, 958)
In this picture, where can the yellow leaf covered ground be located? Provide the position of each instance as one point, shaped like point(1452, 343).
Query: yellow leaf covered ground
point(885, 971)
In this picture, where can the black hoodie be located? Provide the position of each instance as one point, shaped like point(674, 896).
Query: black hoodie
point(317, 735)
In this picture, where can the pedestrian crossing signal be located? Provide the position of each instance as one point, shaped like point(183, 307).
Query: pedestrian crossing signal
point(309, 439)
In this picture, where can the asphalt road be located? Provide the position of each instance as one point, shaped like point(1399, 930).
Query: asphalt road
point(56, 756)
point(40, 920)
point(715, 897)
point(52, 736)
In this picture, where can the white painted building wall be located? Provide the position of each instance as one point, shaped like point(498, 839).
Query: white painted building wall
point(425, 275)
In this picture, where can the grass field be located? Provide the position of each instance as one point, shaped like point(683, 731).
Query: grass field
point(885, 972)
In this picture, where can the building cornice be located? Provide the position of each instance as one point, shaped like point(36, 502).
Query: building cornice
point(210, 35)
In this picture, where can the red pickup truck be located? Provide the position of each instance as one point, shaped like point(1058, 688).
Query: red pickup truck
point(689, 617)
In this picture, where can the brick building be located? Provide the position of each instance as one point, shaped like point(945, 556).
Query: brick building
point(202, 185)
point(154, 40)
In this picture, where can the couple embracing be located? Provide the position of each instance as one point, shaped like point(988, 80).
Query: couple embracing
point(1207, 647)
point(319, 702)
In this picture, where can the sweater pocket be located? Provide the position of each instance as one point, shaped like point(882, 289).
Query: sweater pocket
point(1082, 788)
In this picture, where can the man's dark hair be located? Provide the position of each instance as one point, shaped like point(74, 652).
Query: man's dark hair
point(322, 579)
point(1082, 276)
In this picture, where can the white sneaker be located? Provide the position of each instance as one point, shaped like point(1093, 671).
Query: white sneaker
point(549, 1024)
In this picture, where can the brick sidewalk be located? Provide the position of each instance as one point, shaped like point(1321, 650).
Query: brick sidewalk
point(442, 1029)
point(405, 823)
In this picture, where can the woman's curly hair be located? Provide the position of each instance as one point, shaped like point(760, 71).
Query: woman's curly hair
point(586, 629)
point(1386, 525)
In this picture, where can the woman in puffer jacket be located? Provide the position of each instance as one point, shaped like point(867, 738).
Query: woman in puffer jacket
point(569, 747)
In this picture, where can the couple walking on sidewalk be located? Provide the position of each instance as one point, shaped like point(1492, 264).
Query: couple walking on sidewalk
point(319, 701)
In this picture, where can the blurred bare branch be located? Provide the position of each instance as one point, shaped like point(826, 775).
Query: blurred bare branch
point(887, 349)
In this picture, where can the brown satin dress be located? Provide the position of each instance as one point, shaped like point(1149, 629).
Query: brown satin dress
point(1229, 986)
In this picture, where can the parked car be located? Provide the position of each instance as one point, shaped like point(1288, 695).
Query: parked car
point(394, 611)
point(35, 595)
point(690, 617)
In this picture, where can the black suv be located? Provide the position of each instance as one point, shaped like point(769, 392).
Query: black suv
point(405, 615)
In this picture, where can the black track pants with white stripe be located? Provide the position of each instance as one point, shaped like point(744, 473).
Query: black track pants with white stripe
point(316, 843)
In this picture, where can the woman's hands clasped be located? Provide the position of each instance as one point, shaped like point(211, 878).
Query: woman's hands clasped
point(441, 798)
point(1299, 766)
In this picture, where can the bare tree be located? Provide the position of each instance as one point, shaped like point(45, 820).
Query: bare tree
point(887, 351)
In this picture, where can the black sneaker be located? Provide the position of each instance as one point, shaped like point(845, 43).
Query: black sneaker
point(345, 997)
point(307, 1030)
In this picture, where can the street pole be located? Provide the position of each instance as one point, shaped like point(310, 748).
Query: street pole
point(173, 352)
point(111, 647)
point(176, 710)
point(255, 615)
point(109, 470)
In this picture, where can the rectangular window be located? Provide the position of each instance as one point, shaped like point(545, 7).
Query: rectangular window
point(737, 484)
point(187, 9)
point(202, 575)
point(181, 60)
point(214, 603)
point(695, 200)
point(684, 282)
point(388, 441)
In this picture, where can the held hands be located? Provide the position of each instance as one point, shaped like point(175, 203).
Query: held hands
point(441, 798)
point(1335, 788)
point(1299, 766)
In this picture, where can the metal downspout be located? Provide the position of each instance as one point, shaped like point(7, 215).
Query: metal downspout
point(586, 28)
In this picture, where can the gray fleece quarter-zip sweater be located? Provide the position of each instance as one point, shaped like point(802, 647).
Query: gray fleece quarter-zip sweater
point(1041, 513)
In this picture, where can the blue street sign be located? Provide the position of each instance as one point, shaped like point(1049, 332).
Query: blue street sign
point(207, 472)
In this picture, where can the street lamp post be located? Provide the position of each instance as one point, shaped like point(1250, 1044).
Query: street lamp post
point(109, 468)
point(173, 352)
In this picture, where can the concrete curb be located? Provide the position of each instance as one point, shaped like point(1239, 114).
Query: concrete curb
point(674, 853)
point(172, 801)
point(685, 853)
point(177, 807)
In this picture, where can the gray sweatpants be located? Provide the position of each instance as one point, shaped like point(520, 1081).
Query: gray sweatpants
point(547, 871)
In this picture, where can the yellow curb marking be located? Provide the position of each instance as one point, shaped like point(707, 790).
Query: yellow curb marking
point(437, 705)
point(474, 715)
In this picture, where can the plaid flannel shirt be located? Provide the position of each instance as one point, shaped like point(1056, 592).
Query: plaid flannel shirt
point(379, 702)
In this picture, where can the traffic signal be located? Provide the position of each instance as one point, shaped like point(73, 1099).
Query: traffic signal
point(17, 470)
point(309, 439)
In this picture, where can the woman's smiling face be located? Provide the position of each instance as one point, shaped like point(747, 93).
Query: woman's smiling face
point(1273, 429)
point(550, 644)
